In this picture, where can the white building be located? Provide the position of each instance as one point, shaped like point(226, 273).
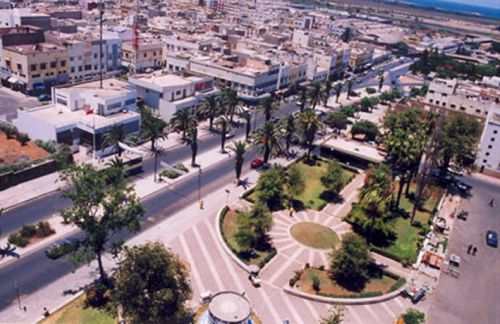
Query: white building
point(80, 115)
point(488, 156)
point(169, 93)
point(302, 38)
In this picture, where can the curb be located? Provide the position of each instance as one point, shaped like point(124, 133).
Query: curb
point(44, 195)
point(228, 251)
point(61, 305)
point(344, 301)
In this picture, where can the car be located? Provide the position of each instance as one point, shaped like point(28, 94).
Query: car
point(418, 296)
point(463, 215)
point(462, 185)
point(256, 163)
point(44, 97)
point(492, 238)
point(230, 133)
point(61, 247)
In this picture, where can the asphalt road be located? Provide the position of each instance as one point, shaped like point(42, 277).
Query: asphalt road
point(473, 296)
point(9, 102)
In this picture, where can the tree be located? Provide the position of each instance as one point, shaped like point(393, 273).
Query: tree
point(346, 35)
point(367, 104)
point(239, 149)
point(270, 187)
point(309, 125)
point(333, 178)
point(182, 120)
point(338, 91)
point(268, 106)
point(229, 98)
point(193, 143)
point(253, 227)
point(350, 263)
point(152, 285)
point(315, 94)
point(223, 123)
point(350, 83)
point(380, 81)
point(366, 128)
point(103, 204)
point(338, 121)
point(113, 137)
point(152, 127)
point(303, 98)
point(267, 138)
point(335, 315)
point(248, 123)
point(210, 108)
point(289, 130)
point(413, 316)
point(327, 92)
point(295, 182)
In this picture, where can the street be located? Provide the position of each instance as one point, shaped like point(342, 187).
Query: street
point(10, 100)
point(473, 296)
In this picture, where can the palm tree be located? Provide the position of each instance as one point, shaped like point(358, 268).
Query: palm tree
point(248, 123)
point(193, 142)
point(182, 120)
point(349, 87)
point(210, 108)
point(230, 102)
point(315, 94)
point(223, 123)
point(327, 91)
point(338, 91)
point(268, 105)
point(113, 137)
point(239, 149)
point(152, 127)
point(289, 129)
point(309, 124)
point(303, 98)
point(380, 81)
point(267, 138)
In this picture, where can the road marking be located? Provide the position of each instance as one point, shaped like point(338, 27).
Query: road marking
point(291, 308)
point(357, 319)
point(287, 246)
point(400, 303)
point(286, 239)
point(284, 219)
point(194, 271)
point(269, 304)
point(225, 258)
point(291, 259)
point(280, 222)
point(369, 309)
point(208, 259)
point(388, 310)
point(312, 309)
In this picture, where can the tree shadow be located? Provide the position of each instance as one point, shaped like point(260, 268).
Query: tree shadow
point(332, 197)
point(245, 183)
point(9, 251)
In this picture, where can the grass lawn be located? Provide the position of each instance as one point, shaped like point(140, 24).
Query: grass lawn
point(405, 245)
point(76, 312)
point(229, 230)
point(314, 235)
point(422, 215)
point(327, 286)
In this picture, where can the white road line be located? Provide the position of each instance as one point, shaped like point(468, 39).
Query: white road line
point(357, 319)
point(311, 308)
point(286, 239)
point(280, 222)
point(208, 259)
point(388, 310)
point(291, 308)
point(194, 270)
point(267, 301)
point(285, 219)
point(369, 309)
point(400, 303)
point(285, 265)
point(287, 246)
point(227, 262)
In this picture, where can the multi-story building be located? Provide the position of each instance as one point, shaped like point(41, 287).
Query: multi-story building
point(335, 61)
point(24, 17)
point(488, 156)
point(149, 55)
point(35, 68)
point(169, 93)
point(361, 56)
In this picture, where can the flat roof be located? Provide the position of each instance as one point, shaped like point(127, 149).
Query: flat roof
point(230, 307)
point(110, 88)
point(355, 148)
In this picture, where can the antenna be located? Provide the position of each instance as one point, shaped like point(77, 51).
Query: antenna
point(101, 11)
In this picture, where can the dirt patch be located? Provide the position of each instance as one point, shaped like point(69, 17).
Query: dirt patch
point(11, 151)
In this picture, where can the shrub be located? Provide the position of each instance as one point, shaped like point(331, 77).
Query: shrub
point(316, 283)
point(170, 174)
point(28, 231)
point(272, 254)
point(18, 240)
point(370, 90)
point(406, 261)
point(43, 229)
point(181, 167)
point(295, 278)
point(400, 283)
point(22, 138)
point(47, 146)
point(321, 267)
point(97, 296)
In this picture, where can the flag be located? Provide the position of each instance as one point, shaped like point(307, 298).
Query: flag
point(89, 112)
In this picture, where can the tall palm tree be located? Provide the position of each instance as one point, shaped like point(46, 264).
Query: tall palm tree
point(268, 106)
point(350, 83)
point(230, 102)
point(152, 127)
point(193, 142)
point(113, 136)
point(309, 124)
point(327, 91)
point(289, 129)
point(239, 149)
point(303, 97)
point(315, 94)
point(183, 120)
point(210, 108)
point(248, 123)
point(223, 123)
point(380, 81)
point(268, 139)
point(338, 91)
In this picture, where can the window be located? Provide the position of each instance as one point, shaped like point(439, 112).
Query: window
point(453, 106)
point(177, 93)
point(33, 67)
point(445, 95)
point(495, 132)
point(34, 76)
point(114, 106)
point(487, 153)
point(431, 91)
point(145, 55)
point(72, 69)
point(53, 65)
point(129, 102)
point(431, 100)
point(80, 68)
point(19, 67)
point(95, 55)
point(492, 139)
point(61, 101)
point(489, 146)
point(71, 59)
point(63, 63)
point(485, 161)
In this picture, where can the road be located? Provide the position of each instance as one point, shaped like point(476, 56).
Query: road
point(10, 100)
point(473, 296)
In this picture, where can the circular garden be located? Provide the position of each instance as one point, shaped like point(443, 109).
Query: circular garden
point(314, 235)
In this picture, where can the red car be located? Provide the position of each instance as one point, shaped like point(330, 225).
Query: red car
point(256, 163)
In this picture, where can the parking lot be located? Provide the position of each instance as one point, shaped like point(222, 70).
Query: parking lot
point(473, 296)
point(10, 100)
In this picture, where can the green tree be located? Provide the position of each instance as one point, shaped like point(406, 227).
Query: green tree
point(350, 83)
point(367, 104)
point(229, 98)
point(239, 149)
point(338, 121)
point(289, 130)
point(295, 182)
point(413, 316)
point(335, 315)
point(309, 124)
point(366, 128)
point(193, 143)
point(223, 123)
point(100, 208)
point(315, 94)
point(327, 91)
point(381, 79)
point(210, 108)
point(267, 138)
point(152, 127)
point(270, 187)
point(253, 227)
point(152, 285)
point(338, 91)
point(244, 236)
point(248, 123)
point(182, 120)
point(333, 178)
point(268, 105)
point(113, 137)
point(303, 98)
point(350, 263)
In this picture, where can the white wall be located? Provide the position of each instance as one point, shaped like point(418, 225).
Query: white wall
point(34, 127)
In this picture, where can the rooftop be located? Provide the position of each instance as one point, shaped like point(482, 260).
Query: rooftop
point(110, 88)
point(35, 48)
point(230, 307)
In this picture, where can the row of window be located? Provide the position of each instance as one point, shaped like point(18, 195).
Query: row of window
point(43, 66)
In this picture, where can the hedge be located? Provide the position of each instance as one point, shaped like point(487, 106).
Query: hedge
point(268, 258)
point(359, 295)
point(401, 282)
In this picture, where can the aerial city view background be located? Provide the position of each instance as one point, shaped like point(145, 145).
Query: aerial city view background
point(249, 161)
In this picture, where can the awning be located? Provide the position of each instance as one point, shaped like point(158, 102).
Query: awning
point(12, 80)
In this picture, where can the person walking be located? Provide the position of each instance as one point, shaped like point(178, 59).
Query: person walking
point(474, 250)
point(492, 201)
point(469, 248)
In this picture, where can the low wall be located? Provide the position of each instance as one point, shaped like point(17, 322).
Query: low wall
point(10, 179)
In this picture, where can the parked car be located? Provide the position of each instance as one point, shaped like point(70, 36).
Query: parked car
point(418, 296)
point(492, 238)
point(205, 297)
point(61, 247)
point(462, 185)
point(44, 97)
point(463, 215)
point(256, 163)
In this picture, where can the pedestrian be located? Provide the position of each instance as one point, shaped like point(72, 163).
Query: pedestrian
point(25, 309)
point(291, 211)
point(492, 201)
point(46, 312)
point(469, 248)
point(474, 250)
